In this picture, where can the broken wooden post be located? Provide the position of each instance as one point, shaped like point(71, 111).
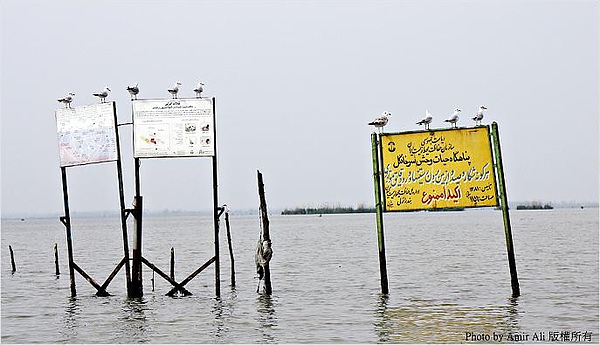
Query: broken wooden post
point(230, 246)
point(172, 263)
point(12, 259)
point(263, 249)
point(56, 259)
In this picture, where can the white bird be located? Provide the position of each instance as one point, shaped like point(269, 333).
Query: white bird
point(67, 99)
point(426, 120)
point(102, 95)
point(174, 90)
point(198, 90)
point(479, 115)
point(133, 90)
point(453, 119)
point(381, 121)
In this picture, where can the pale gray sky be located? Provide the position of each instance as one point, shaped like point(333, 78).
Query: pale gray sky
point(296, 83)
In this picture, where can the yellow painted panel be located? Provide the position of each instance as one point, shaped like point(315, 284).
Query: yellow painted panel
point(438, 169)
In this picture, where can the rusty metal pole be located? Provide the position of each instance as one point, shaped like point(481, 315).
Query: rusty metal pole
point(66, 220)
point(136, 269)
point(216, 206)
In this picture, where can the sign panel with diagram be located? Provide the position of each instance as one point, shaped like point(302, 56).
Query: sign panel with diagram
point(173, 128)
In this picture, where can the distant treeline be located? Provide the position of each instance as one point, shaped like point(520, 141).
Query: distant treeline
point(328, 210)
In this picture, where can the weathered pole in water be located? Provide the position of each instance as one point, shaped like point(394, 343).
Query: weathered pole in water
point(230, 248)
point(56, 259)
point(66, 220)
point(12, 259)
point(172, 275)
point(136, 267)
point(123, 212)
point(379, 213)
point(505, 213)
point(265, 233)
point(216, 205)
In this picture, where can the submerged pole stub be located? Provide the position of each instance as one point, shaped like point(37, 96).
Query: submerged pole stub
point(516, 291)
point(230, 246)
point(56, 266)
point(12, 259)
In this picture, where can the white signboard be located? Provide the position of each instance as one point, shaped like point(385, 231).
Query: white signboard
point(173, 128)
point(87, 134)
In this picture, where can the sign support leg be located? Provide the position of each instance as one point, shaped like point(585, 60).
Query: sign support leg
point(216, 207)
point(379, 213)
point(66, 220)
point(136, 279)
point(122, 205)
point(514, 280)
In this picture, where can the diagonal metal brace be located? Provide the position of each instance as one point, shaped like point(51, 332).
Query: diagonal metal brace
point(101, 290)
point(192, 276)
point(114, 273)
point(177, 286)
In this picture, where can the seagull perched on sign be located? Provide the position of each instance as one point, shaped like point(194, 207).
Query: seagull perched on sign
point(479, 115)
point(67, 99)
point(174, 90)
point(198, 90)
point(426, 120)
point(102, 95)
point(381, 121)
point(453, 119)
point(133, 90)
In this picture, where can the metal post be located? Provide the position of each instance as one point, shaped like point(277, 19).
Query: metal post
point(379, 214)
point(122, 205)
point(12, 259)
point(136, 279)
point(66, 220)
point(172, 275)
point(230, 249)
point(56, 259)
point(216, 206)
point(504, 204)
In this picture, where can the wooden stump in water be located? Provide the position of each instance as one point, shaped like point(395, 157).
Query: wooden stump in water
point(264, 244)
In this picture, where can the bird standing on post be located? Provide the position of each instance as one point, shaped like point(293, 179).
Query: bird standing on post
point(133, 90)
point(198, 90)
point(381, 121)
point(453, 119)
point(102, 95)
point(479, 115)
point(67, 99)
point(426, 120)
point(174, 90)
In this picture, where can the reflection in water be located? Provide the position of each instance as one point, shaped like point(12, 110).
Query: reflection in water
point(432, 321)
point(133, 322)
point(267, 318)
point(71, 317)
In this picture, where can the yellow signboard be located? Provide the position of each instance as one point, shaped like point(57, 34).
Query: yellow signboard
point(438, 169)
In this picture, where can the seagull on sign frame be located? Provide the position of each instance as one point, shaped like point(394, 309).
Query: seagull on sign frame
point(453, 119)
point(426, 120)
point(102, 95)
point(67, 99)
point(133, 90)
point(174, 90)
point(479, 115)
point(381, 121)
point(198, 90)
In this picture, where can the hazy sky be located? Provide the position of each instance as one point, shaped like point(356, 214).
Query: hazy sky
point(295, 84)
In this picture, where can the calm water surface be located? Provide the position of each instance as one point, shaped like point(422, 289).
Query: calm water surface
point(448, 278)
